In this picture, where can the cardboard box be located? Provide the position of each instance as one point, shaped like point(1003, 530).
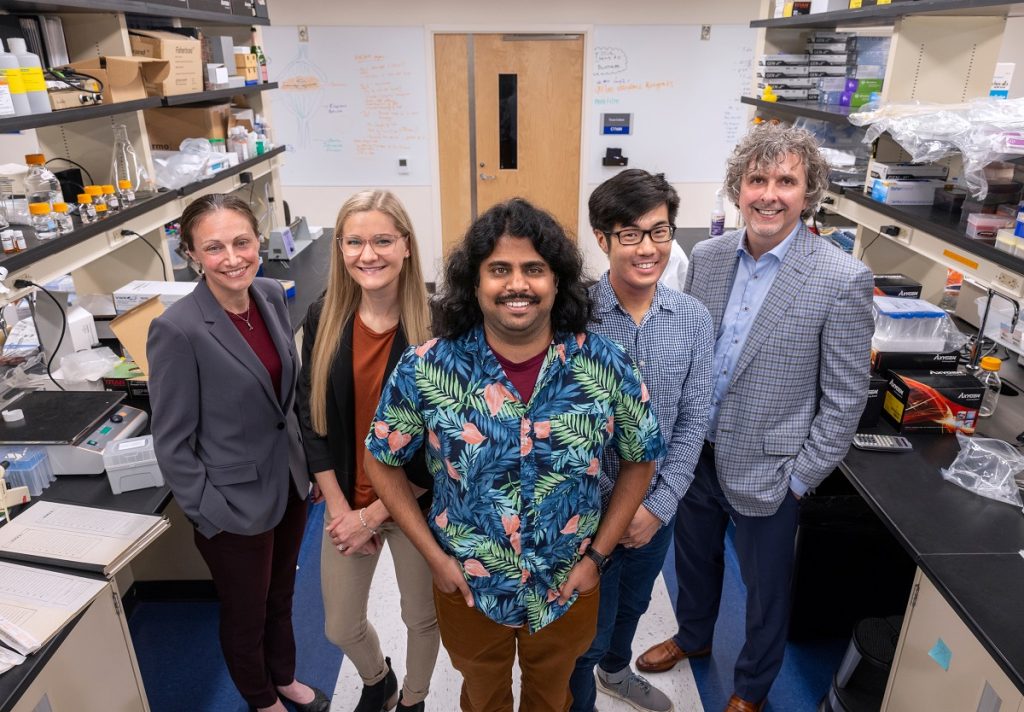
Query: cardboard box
point(937, 401)
point(138, 291)
point(897, 285)
point(873, 406)
point(169, 126)
point(903, 171)
point(184, 54)
point(885, 361)
point(905, 192)
point(248, 66)
point(124, 78)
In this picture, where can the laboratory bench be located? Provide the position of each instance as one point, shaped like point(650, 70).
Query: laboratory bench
point(969, 584)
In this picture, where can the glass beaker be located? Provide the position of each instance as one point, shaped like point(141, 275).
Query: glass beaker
point(125, 164)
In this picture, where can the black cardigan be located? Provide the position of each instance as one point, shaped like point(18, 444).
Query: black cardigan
point(335, 451)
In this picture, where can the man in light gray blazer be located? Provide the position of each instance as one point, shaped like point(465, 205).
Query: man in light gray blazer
point(793, 325)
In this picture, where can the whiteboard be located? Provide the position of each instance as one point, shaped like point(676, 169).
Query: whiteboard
point(683, 92)
point(352, 102)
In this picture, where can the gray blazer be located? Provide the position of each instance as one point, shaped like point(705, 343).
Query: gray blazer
point(228, 446)
point(801, 381)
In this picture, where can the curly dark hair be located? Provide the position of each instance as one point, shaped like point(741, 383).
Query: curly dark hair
point(456, 309)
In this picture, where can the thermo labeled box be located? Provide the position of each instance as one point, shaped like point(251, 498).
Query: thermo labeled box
point(873, 406)
point(937, 401)
point(897, 285)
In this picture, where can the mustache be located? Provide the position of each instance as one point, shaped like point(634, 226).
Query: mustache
point(531, 299)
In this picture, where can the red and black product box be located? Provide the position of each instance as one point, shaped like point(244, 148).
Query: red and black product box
point(897, 285)
point(938, 401)
point(884, 361)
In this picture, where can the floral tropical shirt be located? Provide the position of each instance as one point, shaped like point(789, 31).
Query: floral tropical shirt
point(516, 496)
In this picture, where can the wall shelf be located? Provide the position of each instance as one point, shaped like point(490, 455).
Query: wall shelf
point(132, 7)
point(67, 116)
point(879, 15)
point(796, 109)
point(41, 249)
point(216, 94)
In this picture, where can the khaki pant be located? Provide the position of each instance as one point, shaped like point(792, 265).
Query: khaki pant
point(345, 581)
point(483, 651)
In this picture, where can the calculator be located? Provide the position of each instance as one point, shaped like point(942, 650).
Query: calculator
point(881, 443)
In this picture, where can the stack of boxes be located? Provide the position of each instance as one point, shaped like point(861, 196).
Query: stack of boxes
point(915, 384)
point(839, 68)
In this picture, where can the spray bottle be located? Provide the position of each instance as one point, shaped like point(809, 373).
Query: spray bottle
point(718, 216)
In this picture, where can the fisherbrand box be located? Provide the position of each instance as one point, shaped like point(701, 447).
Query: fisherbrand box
point(939, 401)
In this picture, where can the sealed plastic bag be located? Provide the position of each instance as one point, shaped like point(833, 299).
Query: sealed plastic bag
point(987, 467)
point(89, 365)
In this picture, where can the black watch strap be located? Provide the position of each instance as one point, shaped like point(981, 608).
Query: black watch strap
point(599, 559)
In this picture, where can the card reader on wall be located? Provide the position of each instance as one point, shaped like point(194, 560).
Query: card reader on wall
point(74, 426)
point(614, 157)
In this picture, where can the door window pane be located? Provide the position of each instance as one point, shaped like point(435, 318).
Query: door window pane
point(508, 121)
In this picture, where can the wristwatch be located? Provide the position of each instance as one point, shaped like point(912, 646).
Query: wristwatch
point(600, 560)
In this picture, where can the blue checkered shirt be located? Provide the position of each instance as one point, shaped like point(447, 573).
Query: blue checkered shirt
point(673, 347)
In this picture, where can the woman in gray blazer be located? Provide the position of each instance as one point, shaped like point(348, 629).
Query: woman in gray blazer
point(223, 372)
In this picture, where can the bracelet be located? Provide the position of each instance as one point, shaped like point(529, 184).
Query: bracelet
point(362, 520)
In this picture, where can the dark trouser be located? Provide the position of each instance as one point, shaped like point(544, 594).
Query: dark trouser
point(764, 547)
point(626, 586)
point(484, 652)
point(255, 580)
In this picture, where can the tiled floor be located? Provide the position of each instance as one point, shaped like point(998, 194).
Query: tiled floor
point(180, 659)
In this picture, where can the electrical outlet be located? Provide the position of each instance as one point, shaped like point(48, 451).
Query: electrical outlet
point(1008, 281)
point(403, 165)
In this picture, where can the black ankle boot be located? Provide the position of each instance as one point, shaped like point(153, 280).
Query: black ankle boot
point(380, 696)
point(418, 707)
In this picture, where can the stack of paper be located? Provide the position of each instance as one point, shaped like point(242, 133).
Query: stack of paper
point(85, 538)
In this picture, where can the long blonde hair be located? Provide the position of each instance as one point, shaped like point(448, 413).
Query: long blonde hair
point(343, 296)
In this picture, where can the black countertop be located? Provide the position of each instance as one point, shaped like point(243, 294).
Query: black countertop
point(967, 545)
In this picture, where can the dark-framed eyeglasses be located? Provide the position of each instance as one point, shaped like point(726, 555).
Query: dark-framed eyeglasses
point(352, 245)
point(634, 236)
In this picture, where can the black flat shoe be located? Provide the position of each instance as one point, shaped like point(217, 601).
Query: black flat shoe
point(418, 707)
point(380, 696)
point(320, 702)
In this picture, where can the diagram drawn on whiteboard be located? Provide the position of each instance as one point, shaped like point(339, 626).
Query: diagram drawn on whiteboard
point(355, 103)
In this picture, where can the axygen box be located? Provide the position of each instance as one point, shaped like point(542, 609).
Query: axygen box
point(940, 401)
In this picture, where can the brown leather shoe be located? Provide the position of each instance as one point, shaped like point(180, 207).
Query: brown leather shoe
point(738, 704)
point(665, 655)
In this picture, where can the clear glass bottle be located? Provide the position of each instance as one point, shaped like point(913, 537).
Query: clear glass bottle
point(19, 241)
point(124, 188)
point(42, 221)
point(989, 375)
point(63, 220)
point(96, 191)
point(86, 210)
point(7, 242)
point(111, 199)
point(41, 186)
point(125, 164)
point(101, 210)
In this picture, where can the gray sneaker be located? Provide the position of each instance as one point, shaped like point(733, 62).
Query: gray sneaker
point(634, 690)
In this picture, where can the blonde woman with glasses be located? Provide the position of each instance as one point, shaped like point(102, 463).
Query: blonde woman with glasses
point(374, 307)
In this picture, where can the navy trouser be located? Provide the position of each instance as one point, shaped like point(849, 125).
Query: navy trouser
point(764, 547)
point(626, 586)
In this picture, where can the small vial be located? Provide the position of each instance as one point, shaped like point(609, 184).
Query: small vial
point(96, 191)
point(19, 241)
point(86, 210)
point(63, 220)
point(110, 196)
point(7, 242)
point(124, 187)
point(42, 221)
point(101, 211)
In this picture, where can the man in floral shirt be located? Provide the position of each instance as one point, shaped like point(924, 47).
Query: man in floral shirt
point(517, 403)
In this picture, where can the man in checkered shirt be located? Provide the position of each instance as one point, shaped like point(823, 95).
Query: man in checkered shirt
point(669, 337)
point(793, 326)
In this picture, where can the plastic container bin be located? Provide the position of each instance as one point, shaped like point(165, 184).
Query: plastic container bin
point(30, 466)
point(908, 325)
point(985, 227)
point(131, 464)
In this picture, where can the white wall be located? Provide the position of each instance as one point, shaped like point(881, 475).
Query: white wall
point(423, 202)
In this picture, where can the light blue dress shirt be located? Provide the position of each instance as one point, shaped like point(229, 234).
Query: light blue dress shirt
point(750, 286)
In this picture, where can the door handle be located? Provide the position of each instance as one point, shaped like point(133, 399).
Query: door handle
point(484, 176)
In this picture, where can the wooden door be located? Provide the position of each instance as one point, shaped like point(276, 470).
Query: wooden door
point(508, 110)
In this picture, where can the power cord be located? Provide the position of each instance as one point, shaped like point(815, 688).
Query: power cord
point(22, 284)
point(77, 165)
point(125, 233)
point(878, 234)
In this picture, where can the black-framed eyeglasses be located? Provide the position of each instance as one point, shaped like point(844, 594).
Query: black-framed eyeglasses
point(634, 236)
